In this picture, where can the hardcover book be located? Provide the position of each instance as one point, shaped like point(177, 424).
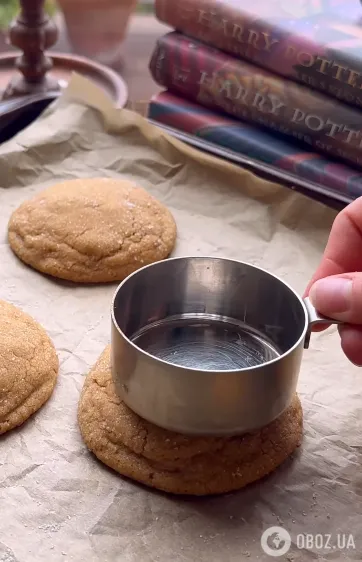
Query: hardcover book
point(218, 81)
point(274, 150)
point(314, 42)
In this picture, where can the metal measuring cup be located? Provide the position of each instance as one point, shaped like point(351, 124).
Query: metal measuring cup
point(208, 346)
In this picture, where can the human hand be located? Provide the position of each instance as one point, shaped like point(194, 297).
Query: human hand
point(335, 289)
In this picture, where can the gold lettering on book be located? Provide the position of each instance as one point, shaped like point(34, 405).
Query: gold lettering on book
point(253, 38)
point(224, 26)
point(352, 75)
point(267, 103)
point(313, 122)
point(226, 88)
point(301, 57)
point(257, 103)
point(324, 64)
point(237, 32)
point(262, 40)
point(340, 69)
point(351, 134)
point(269, 41)
point(206, 18)
point(335, 128)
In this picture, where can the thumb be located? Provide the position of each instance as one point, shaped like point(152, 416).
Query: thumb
point(339, 297)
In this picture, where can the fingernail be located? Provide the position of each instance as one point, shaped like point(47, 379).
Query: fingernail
point(331, 295)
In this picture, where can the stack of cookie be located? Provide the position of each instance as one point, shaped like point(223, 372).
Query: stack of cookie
point(99, 231)
point(172, 462)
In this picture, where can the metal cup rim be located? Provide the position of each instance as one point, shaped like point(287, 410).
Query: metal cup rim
point(210, 372)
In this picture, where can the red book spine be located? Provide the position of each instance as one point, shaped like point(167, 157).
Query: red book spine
point(216, 80)
point(315, 42)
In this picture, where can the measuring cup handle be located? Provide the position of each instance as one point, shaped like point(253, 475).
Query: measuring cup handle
point(315, 318)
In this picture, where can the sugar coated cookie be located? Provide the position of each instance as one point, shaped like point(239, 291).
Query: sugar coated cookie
point(172, 462)
point(28, 366)
point(91, 230)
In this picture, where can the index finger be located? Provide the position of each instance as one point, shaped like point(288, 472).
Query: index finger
point(343, 253)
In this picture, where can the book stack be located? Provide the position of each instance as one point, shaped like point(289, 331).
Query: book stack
point(277, 83)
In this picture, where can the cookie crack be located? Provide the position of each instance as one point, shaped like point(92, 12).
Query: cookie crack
point(34, 391)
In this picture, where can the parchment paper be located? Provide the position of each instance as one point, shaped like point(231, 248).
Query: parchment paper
point(57, 502)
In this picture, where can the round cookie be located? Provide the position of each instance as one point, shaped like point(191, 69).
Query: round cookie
point(28, 366)
point(172, 462)
point(92, 230)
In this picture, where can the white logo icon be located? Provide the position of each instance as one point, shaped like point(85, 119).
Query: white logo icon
point(275, 541)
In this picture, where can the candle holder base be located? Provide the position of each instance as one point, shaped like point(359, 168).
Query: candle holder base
point(13, 85)
point(19, 87)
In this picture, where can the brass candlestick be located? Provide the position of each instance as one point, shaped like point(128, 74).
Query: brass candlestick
point(33, 72)
point(33, 32)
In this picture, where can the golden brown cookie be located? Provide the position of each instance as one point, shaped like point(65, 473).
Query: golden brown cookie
point(28, 366)
point(172, 462)
point(92, 230)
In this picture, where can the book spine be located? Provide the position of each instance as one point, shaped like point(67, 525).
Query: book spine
point(218, 81)
point(263, 40)
point(172, 111)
